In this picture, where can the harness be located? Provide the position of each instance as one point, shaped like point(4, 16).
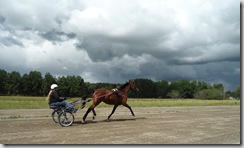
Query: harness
point(115, 91)
point(118, 93)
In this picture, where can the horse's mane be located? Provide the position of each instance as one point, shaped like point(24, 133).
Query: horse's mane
point(124, 85)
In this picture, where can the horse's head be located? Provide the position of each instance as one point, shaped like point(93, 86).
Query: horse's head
point(133, 85)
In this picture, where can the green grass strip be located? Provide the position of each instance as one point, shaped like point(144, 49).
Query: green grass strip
point(23, 102)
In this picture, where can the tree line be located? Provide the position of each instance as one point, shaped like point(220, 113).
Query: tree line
point(33, 84)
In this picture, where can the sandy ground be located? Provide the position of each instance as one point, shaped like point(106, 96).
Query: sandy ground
point(153, 125)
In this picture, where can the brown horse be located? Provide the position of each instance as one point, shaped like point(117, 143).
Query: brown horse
point(111, 97)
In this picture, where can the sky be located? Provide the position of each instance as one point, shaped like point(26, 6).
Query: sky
point(117, 40)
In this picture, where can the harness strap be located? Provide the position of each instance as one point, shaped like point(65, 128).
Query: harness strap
point(119, 98)
point(104, 95)
point(118, 94)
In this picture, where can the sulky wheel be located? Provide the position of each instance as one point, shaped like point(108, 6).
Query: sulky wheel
point(66, 118)
point(55, 116)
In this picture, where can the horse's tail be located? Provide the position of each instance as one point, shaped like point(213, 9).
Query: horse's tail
point(87, 94)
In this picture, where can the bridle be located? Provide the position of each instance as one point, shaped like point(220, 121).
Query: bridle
point(133, 86)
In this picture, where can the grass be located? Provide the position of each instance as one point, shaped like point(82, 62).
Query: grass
point(180, 102)
point(24, 102)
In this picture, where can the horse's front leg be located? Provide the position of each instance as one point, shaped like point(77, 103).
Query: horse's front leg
point(126, 105)
point(114, 108)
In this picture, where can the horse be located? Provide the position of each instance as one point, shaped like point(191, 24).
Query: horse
point(111, 97)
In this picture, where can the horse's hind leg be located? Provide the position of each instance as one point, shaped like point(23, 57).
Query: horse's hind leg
point(126, 105)
point(115, 106)
point(87, 112)
point(91, 108)
point(94, 114)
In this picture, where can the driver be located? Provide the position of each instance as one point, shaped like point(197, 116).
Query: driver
point(54, 99)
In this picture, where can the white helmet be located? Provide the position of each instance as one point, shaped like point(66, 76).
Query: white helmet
point(54, 86)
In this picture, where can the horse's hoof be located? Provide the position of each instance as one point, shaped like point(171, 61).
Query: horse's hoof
point(133, 117)
point(93, 117)
point(107, 120)
point(83, 121)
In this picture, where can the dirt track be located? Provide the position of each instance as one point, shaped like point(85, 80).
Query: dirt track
point(154, 125)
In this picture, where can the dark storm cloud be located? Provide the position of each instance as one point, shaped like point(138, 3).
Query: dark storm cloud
point(177, 45)
point(113, 41)
point(102, 47)
point(9, 41)
point(58, 36)
point(2, 19)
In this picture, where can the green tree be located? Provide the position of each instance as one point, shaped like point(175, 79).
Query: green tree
point(229, 94)
point(72, 86)
point(3, 81)
point(24, 85)
point(202, 85)
point(238, 92)
point(46, 83)
point(174, 94)
point(220, 87)
point(209, 94)
point(13, 83)
point(162, 88)
point(63, 86)
point(147, 87)
point(34, 83)
point(184, 87)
